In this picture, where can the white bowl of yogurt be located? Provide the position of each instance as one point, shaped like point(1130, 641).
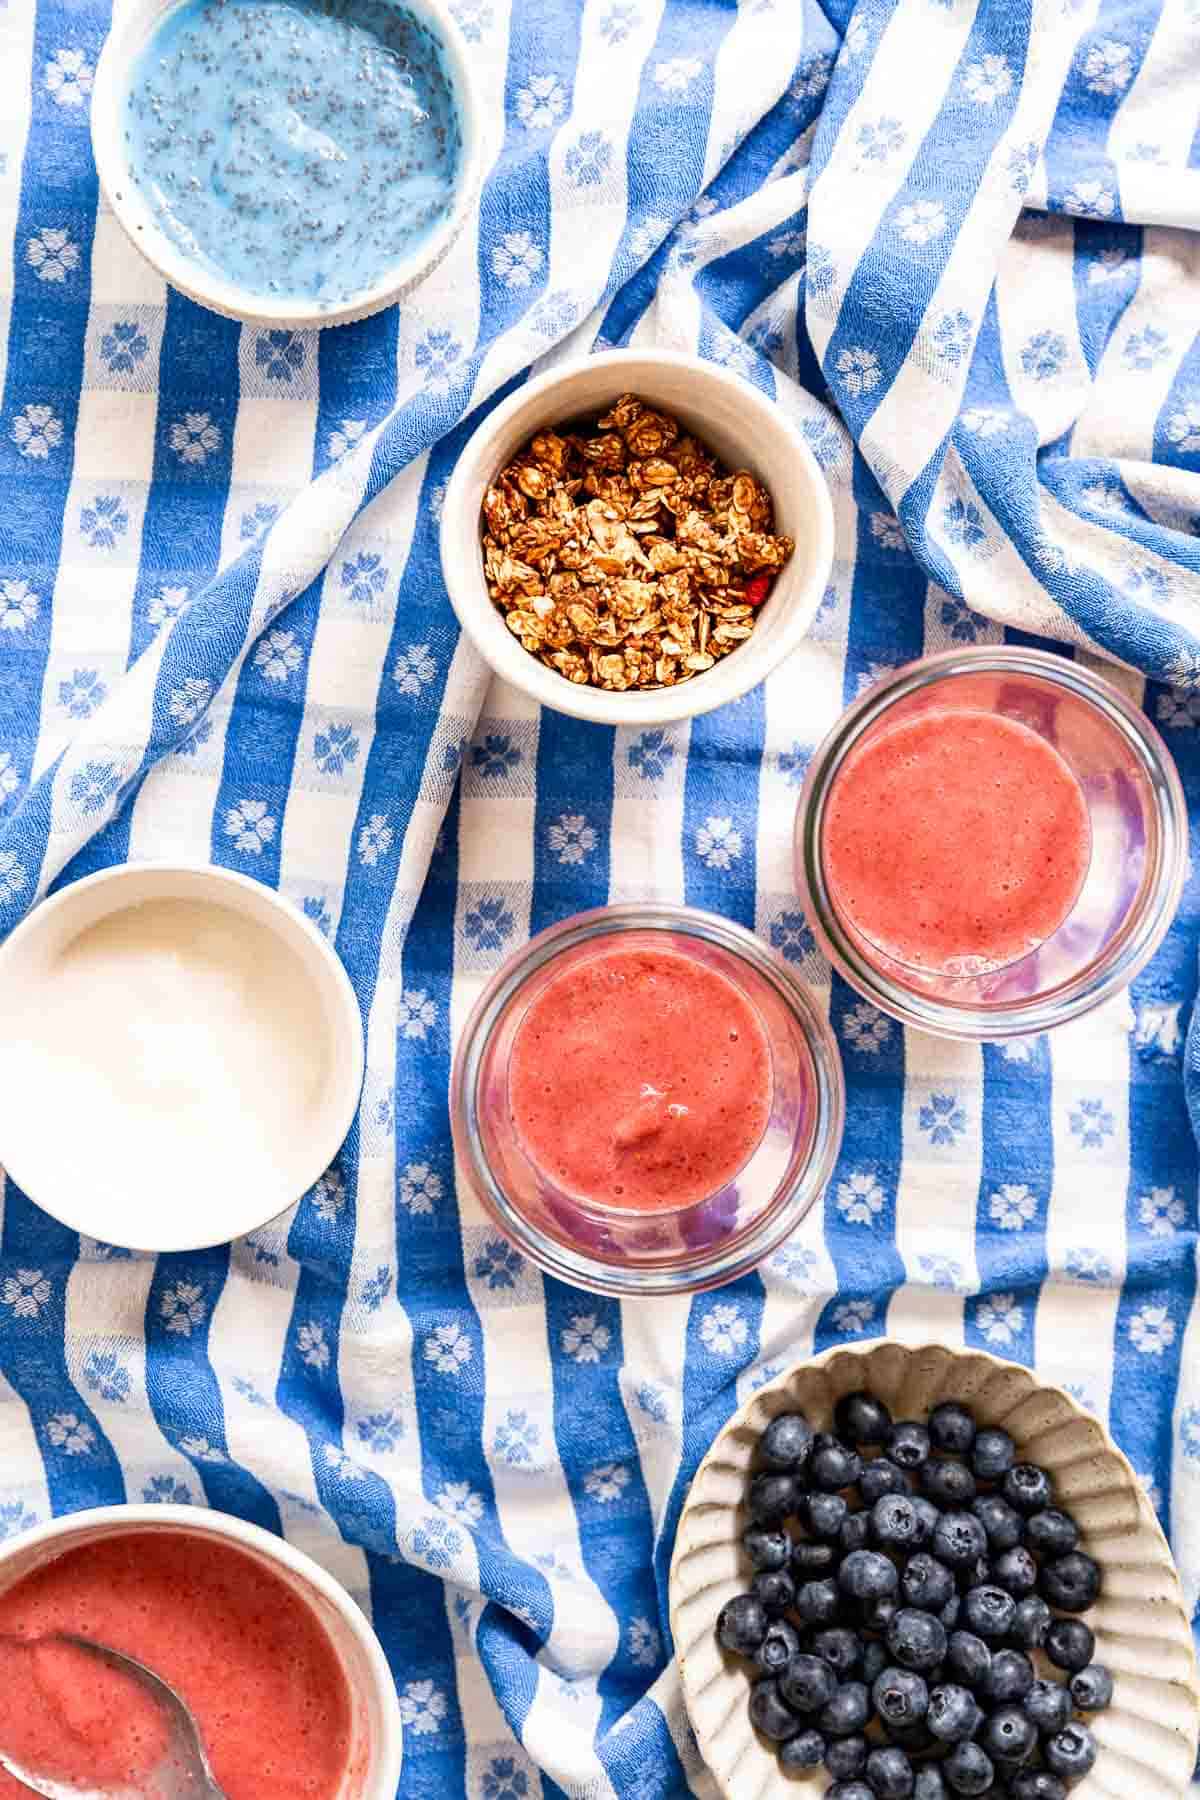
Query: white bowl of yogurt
point(182, 1056)
point(284, 1675)
point(289, 163)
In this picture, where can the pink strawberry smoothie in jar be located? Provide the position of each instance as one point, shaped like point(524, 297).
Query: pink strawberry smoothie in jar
point(251, 1660)
point(956, 841)
point(990, 842)
point(646, 1100)
point(640, 1078)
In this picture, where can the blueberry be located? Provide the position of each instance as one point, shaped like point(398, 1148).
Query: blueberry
point(742, 1625)
point(1051, 1533)
point(824, 1514)
point(1027, 1488)
point(988, 1612)
point(1072, 1584)
point(890, 1774)
point(1031, 1622)
point(812, 1559)
point(927, 1519)
point(908, 1445)
point(916, 1639)
point(866, 1575)
point(1001, 1522)
point(1092, 1688)
point(786, 1443)
point(953, 1713)
point(1036, 1784)
point(767, 1547)
point(805, 1751)
point(846, 1757)
point(1048, 1705)
point(849, 1790)
point(1009, 1737)
point(968, 1770)
point(951, 1612)
point(834, 1467)
point(1071, 1753)
point(958, 1538)
point(847, 1712)
point(772, 1498)
point(930, 1785)
point(768, 1712)
point(817, 1602)
point(948, 1483)
point(874, 1661)
point(901, 1697)
point(1016, 1572)
point(775, 1588)
point(807, 1684)
point(993, 1455)
point(855, 1533)
point(1010, 1677)
point(894, 1522)
point(952, 1428)
point(1070, 1645)
point(861, 1419)
point(879, 1478)
point(781, 1643)
point(841, 1648)
point(968, 1658)
point(927, 1582)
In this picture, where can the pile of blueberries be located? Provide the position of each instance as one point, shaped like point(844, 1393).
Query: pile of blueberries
point(893, 1641)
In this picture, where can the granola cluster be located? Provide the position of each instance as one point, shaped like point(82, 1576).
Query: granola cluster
point(624, 554)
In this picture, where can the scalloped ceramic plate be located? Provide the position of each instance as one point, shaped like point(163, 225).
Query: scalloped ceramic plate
point(1148, 1737)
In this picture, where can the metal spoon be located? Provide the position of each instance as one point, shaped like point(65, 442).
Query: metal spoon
point(185, 1772)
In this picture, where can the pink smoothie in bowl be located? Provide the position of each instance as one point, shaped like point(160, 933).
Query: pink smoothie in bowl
point(250, 1658)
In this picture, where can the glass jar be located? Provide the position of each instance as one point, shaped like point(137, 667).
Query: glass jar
point(1138, 863)
point(621, 1250)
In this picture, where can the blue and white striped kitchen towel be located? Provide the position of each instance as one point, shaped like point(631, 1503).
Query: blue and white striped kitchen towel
point(957, 240)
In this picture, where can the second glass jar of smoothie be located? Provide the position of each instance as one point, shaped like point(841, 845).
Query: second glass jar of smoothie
point(646, 1100)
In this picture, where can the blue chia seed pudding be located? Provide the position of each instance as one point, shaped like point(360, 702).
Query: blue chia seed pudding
point(298, 149)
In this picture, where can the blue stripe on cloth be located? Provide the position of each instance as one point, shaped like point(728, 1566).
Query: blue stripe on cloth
point(356, 384)
point(641, 1760)
point(80, 1464)
point(409, 1616)
point(1161, 1215)
point(184, 1394)
point(887, 611)
point(1101, 300)
point(1016, 1176)
point(887, 297)
point(616, 1530)
point(572, 820)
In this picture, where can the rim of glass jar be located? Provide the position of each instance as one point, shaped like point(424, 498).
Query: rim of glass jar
point(691, 1274)
point(1128, 951)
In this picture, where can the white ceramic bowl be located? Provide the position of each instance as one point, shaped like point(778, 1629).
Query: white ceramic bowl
point(729, 415)
point(133, 23)
point(164, 1169)
point(377, 1740)
point(1148, 1737)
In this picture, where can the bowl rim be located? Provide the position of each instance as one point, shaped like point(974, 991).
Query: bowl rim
point(230, 884)
point(142, 1517)
point(132, 23)
point(734, 675)
point(739, 1418)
